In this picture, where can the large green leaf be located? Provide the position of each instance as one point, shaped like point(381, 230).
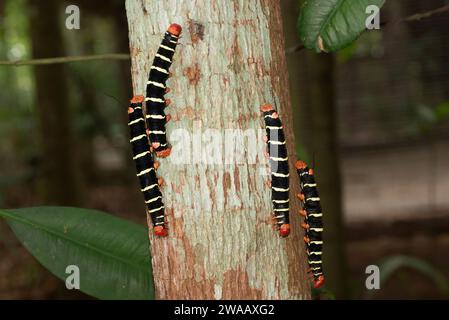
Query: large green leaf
point(112, 254)
point(329, 25)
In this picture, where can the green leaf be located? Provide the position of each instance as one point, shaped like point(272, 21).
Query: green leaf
point(329, 25)
point(112, 254)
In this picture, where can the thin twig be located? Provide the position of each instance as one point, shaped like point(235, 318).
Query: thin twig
point(108, 56)
point(428, 14)
point(412, 18)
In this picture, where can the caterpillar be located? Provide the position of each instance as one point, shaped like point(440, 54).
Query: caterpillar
point(278, 158)
point(313, 221)
point(146, 166)
point(156, 89)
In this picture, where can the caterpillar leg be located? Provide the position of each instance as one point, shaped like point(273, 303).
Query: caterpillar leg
point(164, 153)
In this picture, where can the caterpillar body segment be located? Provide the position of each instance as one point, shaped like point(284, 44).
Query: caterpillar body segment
point(155, 101)
point(278, 159)
point(313, 221)
point(146, 166)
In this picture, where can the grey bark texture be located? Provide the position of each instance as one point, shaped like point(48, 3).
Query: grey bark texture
point(230, 60)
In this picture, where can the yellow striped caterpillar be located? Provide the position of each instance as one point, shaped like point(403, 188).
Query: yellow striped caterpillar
point(278, 158)
point(146, 166)
point(156, 89)
point(313, 221)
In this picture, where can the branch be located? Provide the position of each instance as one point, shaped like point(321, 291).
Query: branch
point(425, 15)
point(108, 56)
point(412, 18)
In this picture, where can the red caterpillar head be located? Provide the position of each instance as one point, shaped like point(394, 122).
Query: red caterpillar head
point(300, 165)
point(318, 282)
point(175, 29)
point(284, 230)
point(160, 231)
point(266, 108)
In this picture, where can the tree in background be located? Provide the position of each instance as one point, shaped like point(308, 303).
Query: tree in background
point(58, 161)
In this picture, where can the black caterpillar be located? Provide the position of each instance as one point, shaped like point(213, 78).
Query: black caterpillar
point(156, 89)
point(313, 221)
point(277, 153)
point(146, 166)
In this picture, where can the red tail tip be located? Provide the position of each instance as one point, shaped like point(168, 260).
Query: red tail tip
point(284, 230)
point(318, 282)
point(160, 231)
point(175, 29)
point(137, 99)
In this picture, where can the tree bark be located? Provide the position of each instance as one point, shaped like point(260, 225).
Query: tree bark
point(221, 244)
point(58, 162)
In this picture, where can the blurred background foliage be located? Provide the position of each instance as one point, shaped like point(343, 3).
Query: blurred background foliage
point(373, 119)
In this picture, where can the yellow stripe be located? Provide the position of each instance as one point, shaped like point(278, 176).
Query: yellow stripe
point(316, 215)
point(154, 100)
point(277, 142)
point(140, 155)
point(135, 121)
point(280, 189)
point(141, 173)
point(167, 48)
point(138, 138)
point(149, 187)
point(159, 69)
point(156, 132)
point(155, 116)
point(156, 84)
point(281, 201)
point(278, 159)
point(157, 209)
point(281, 175)
point(153, 199)
point(163, 57)
point(310, 185)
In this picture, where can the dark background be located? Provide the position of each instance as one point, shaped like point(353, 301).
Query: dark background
point(373, 119)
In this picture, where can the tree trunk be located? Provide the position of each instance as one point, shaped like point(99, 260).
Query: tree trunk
point(59, 165)
point(221, 244)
